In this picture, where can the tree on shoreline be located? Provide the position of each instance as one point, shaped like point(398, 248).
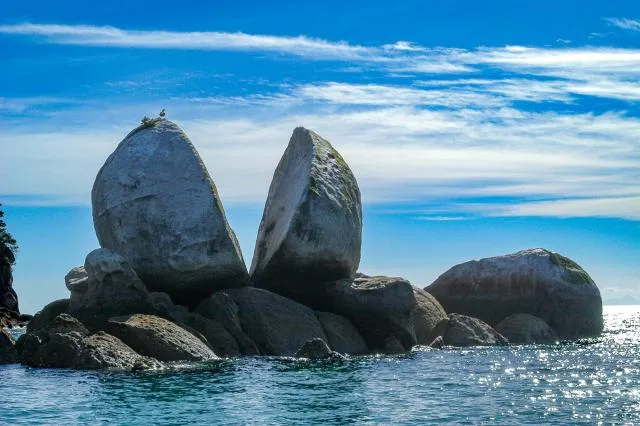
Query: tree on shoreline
point(8, 244)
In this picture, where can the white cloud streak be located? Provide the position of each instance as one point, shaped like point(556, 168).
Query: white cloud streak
point(625, 23)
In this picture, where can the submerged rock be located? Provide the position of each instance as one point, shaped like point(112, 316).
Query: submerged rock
point(390, 313)
point(159, 338)
point(536, 282)
point(463, 330)
point(155, 204)
point(526, 329)
point(342, 336)
point(317, 349)
point(310, 232)
point(263, 321)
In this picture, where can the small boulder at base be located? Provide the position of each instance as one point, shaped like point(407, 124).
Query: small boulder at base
point(47, 314)
point(342, 336)
point(113, 288)
point(390, 313)
point(310, 232)
point(317, 349)
point(155, 204)
point(536, 282)
point(526, 329)
point(466, 331)
point(159, 338)
point(274, 324)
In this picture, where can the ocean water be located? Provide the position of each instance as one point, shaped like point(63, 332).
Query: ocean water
point(589, 382)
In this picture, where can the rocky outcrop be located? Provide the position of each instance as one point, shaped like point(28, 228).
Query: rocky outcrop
point(159, 338)
point(8, 353)
point(463, 330)
point(526, 329)
point(390, 313)
point(262, 322)
point(47, 314)
point(77, 282)
point(316, 349)
point(310, 232)
point(156, 205)
point(8, 296)
point(66, 343)
point(342, 336)
point(536, 282)
point(113, 288)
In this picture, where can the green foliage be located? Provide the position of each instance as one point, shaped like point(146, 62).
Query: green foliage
point(149, 122)
point(8, 244)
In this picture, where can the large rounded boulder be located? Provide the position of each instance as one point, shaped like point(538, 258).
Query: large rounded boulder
point(536, 282)
point(391, 314)
point(311, 228)
point(155, 204)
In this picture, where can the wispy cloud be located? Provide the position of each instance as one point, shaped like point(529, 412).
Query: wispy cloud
point(625, 23)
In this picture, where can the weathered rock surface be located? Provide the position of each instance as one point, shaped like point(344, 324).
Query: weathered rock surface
point(65, 343)
point(262, 322)
point(47, 314)
point(536, 282)
point(526, 329)
point(155, 204)
point(389, 312)
point(103, 351)
point(317, 349)
point(342, 336)
point(113, 288)
point(8, 353)
point(310, 232)
point(463, 330)
point(159, 338)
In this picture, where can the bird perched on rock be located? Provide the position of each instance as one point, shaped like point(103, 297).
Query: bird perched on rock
point(163, 113)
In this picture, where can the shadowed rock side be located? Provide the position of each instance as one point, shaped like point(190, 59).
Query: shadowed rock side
point(156, 205)
point(526, 329)
point(263, 323)
point(310, 232)
point(463, 330)
point(391, 314)
point(536, 282)
point(8, 296)
point(342, 336)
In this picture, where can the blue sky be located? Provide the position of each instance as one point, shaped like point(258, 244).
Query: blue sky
point(474, 128)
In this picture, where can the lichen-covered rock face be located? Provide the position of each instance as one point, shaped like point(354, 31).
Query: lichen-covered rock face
point(158, 338)
point(390, 313)
point(526, 329)
point(536, 282)
point(155, 204)
point(310, 232)
point(463, 330)
point(263, 323)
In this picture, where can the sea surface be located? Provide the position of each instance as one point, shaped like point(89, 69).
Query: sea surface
point(588, 382)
